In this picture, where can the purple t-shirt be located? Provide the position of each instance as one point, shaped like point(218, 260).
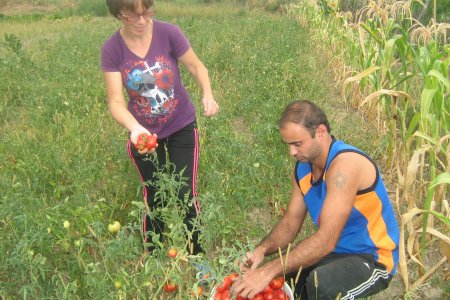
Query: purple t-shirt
point(157, 98)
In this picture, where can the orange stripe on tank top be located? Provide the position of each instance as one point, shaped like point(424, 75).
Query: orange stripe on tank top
point(369, 205)
point(305, 183)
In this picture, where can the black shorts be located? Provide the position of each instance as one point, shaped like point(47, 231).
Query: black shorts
point(340, 276)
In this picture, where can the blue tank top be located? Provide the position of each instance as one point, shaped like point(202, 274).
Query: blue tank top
point(371, 227)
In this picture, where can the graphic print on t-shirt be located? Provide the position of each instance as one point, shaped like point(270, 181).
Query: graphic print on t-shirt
point(151, 90)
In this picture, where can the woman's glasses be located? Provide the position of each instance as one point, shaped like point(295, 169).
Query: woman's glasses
point(136, 17)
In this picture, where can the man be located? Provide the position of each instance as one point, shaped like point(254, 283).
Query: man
point(354, 251)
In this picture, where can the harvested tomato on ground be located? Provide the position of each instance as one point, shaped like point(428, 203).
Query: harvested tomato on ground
point(146, 142)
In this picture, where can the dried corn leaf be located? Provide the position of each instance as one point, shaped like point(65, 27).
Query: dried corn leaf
point(382, 92)
point(358, 77)
point(430, 272)
point(413, 167)
point(402, 264)
point(436, 233)
point(410, 248)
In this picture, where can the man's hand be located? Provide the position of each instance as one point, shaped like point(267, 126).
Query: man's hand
point(251, 261)
point(251, 283)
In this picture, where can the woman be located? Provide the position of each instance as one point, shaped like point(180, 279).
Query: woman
point(142, 58)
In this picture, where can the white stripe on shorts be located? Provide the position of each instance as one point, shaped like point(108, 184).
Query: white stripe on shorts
point(377, 274)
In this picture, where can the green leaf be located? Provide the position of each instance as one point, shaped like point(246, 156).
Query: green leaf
point(440, 179)
point(426, 98)
point(440, 77)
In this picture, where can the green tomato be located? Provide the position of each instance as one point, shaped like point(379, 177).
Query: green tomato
point(114, 227)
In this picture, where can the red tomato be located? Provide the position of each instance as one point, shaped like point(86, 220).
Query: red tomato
point(224, 285)
point(140, 145)
point(225, 295)
point(233, 277)
point(270, 295)
point(277, 283)
point(145, 141)
point(151, 142)
point(267, 289)
point(281, 295)
point(172, 253)
point(169, 287)
point(217, 295)
point(258, 297)
point(239, 297)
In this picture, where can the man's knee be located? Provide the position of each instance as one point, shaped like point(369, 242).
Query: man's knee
point(318, 288)
point(323, 283)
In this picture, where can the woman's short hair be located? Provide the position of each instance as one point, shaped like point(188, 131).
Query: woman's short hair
point(116, 6)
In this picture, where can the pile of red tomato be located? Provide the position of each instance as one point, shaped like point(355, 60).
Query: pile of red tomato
point(145, 141)
point(274, 291)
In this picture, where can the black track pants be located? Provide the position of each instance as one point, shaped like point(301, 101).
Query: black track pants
point(341, 276)
point(182, 150)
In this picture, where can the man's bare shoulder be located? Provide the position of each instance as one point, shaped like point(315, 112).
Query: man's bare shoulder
point(358, 168)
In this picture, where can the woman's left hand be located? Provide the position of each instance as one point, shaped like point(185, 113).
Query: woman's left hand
point(210, 107)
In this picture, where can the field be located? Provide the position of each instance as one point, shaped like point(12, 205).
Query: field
point(65, 174)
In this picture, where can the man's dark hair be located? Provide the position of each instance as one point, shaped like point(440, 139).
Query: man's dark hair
point(115, 6)
point(306, 114)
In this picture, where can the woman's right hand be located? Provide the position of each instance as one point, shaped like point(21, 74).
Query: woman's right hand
point(135, 133)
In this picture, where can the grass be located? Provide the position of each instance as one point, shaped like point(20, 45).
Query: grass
point(62, 157)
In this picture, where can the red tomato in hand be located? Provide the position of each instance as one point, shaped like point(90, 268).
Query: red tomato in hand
point(151, 142)
point(239, 297)
point(224, 285)
point(145, 141)
point(277, 283)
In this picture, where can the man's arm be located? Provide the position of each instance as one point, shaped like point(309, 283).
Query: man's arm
point(342, 181)
point(280, 236)
point(288, 227)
